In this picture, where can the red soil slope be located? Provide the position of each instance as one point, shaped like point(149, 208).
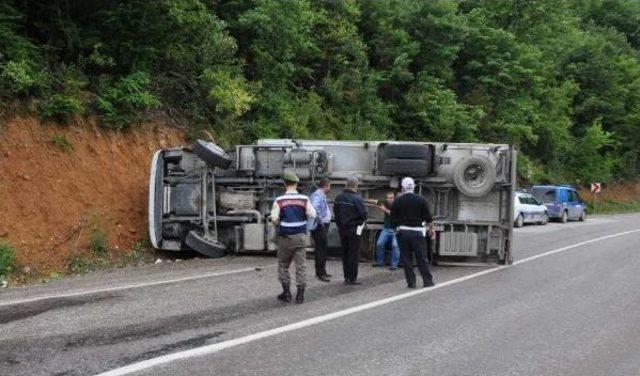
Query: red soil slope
point(615, 192)
point(49, 198)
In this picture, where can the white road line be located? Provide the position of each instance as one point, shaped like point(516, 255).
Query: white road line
point(217, 347)
point(574, 246)
point(125, 287)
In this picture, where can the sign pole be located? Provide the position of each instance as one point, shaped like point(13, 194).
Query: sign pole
point(595, 189)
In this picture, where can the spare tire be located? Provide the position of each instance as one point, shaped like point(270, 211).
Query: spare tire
point(474, 176)
point(211, 154)
point(407, 151)
point(210, 248)
point(406, 167)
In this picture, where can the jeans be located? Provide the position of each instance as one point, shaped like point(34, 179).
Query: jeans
point(387, 236)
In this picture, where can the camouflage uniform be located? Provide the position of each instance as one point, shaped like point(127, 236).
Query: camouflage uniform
point(292, 249)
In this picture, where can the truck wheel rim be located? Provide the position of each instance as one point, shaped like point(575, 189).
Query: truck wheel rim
point(474, 175)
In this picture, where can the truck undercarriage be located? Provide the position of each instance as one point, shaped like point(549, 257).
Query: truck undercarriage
point(215, 201)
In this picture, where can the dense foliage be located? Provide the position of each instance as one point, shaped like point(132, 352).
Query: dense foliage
point(559, 79)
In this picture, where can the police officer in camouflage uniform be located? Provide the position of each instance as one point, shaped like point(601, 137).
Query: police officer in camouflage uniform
point(291, 213)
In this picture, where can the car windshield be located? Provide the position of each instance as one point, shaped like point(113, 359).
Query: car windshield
point(544, 194)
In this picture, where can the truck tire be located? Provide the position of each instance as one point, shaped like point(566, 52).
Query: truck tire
point(407, 151)
point(211, 154)
point(197, 242)
point(474, 176)
point(407, 167)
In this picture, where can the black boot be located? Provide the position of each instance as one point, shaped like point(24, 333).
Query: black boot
point(300, 295)
point(286, 294)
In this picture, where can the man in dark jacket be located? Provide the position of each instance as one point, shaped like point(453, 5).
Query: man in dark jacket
point(410, 213)
point(350, 213)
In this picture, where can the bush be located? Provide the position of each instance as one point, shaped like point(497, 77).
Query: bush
point(61, 108)
point(81, 264)
point(229, 94)
point(7, 258)
point(62, 142)
point(120, 104)
point(18, 77)
point(589, 160)
point(98, 242)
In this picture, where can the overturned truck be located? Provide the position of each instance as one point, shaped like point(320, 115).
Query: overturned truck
point(217, 202)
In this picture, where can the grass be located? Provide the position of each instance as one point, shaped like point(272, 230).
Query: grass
point(7, 258)
point(613, 207)
point(131, 258)
point(100, 255)
point(62, 142)
point(82, 263)
point(98, 241)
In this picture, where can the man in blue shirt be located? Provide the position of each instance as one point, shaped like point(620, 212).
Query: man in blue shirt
point(320, 226)
point(290, 213)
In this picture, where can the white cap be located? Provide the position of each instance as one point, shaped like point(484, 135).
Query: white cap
point(408, 185)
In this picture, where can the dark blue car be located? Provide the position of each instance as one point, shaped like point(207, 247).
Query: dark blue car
point(563, 202)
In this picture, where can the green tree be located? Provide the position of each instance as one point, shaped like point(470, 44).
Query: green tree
point(559, 80)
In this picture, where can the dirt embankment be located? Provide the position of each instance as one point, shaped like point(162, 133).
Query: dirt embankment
point(615, 197)
point(56, 183)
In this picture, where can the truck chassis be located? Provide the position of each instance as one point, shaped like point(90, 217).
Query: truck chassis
point(216, 202)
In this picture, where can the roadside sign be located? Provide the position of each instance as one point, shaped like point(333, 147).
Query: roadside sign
point(595, 189)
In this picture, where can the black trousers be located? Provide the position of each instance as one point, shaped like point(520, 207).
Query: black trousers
point(350, 255)
point(320, 248)
point(413, 244)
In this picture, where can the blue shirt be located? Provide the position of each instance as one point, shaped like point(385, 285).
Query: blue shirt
point(320, 204)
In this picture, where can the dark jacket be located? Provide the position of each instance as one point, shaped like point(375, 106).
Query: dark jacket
point(349, 211)
point(410, 209)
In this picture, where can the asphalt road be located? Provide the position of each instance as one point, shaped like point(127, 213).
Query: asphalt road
point(575, 311)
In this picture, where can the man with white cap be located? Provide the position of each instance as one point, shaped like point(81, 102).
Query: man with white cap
point(410, 213)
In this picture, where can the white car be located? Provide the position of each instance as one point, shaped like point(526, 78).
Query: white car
point(527, 209)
